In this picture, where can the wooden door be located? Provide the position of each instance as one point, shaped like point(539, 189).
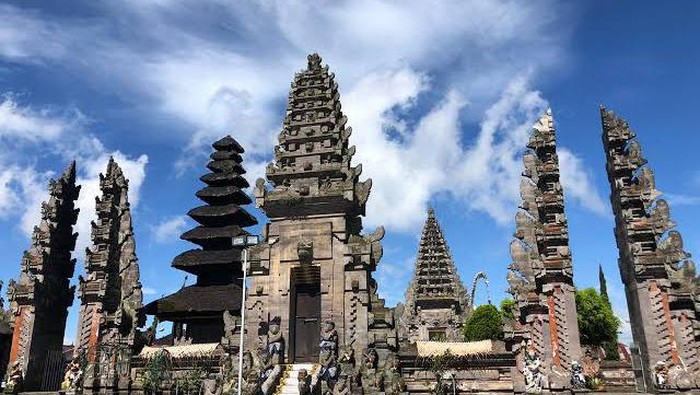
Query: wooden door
point(307, 322)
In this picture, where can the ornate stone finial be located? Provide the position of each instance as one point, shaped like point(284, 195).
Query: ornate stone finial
point(314, 62)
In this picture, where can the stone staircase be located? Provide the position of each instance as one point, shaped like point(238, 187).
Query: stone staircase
point(290, 378)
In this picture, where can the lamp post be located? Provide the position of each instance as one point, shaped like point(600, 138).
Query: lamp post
point(243, 241)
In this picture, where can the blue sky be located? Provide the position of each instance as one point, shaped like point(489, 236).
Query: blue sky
point(441, 96)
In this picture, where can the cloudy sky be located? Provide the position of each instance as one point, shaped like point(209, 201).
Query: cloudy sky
point(441, 96)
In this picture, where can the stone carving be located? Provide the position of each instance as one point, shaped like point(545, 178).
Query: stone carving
point(40, 299)
point(436, 300)
point(658, 274)
point(73, 377)
point(535, 378)
point(578, 378)
point(275, 341)
point(541, 275)
point(305, 250)
point(328, 356)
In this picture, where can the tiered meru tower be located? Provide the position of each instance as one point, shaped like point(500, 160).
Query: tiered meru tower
point(41, 298)
point(541, 276)
point(314, 264)
point(436, 300)
point(659, 277)
point(197, 310)
point(110, 293)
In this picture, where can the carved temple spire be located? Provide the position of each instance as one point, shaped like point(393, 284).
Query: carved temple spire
point(313, 244)
point(435, 281)
point(197, 310)
point(110, 292)
point(42, 295)
point(541, 275)
point(312, 163)
point(436, 300)
point(658, 274)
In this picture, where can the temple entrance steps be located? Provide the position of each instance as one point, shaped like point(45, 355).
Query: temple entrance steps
point(290, 378)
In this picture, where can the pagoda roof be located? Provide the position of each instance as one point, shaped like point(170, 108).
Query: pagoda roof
point(435, 282)
point(197, 299)
point(224, 194)
point(222, 215)
point(228, 144)
point(225, 166)
point(192, 260)
point(224, 179)
point(226, 155)
point(205, 236)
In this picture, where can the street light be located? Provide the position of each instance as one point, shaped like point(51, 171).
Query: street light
point(243, 241)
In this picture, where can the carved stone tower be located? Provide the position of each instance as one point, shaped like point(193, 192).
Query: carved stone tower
point(314, 265)
point(541, 275)
point(41, 298)
point(197, 311)
point(436, 301)
point(110, 294)
point(659, 278)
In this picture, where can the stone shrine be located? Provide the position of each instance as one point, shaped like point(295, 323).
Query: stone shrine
point(314, 267)
point(436, 301)
point(197, 311)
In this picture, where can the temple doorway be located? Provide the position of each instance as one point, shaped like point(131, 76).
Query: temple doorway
point(306, 314)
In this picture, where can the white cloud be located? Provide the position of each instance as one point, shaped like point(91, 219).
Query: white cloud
point(451, 64)
point(25, 123)
point(169, 230)
point(23, 187)
point(578, 185)
point(149, 291)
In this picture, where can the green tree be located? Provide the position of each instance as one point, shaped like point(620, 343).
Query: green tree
point(508, 308)
point(597, 323)
point(484, 323)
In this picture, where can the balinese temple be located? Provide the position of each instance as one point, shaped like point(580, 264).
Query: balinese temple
point(41, 297)
point(197, 310)
point(312, 275)
point(436, 301)
point(541, 275)
point(659, 277)
point(110, 294)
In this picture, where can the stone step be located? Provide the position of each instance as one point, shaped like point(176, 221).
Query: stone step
point(289, 385)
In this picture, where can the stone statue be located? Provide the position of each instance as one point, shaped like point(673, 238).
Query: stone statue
point(329, 367)
point(275, 341)
point(329, 337)
point(230, 323)
point(371, 358)
point(535, 379)
point(660, 374)
point(305, 251)
point(578, 379)
point(396, 382)
point(15, 378)
point(211, 387)
point(304, 382)
point(73, 377)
